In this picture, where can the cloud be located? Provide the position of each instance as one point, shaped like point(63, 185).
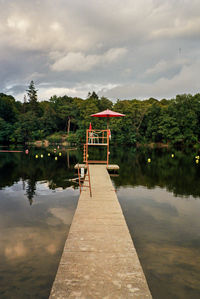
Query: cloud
point(186, 81)
point(180, 28)
point(18, 24)
point(80, 62)
point(98, 44)
point(76, 62)
point(46, 91)
point(16, 251)
point(113, 55)
point(163, 67)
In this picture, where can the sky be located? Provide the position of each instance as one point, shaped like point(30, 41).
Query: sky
point(119, 49)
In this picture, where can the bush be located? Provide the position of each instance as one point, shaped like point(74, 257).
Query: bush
point(55, 138)
point(71, 138)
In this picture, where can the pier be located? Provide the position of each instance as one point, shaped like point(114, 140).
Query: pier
point(99, 259)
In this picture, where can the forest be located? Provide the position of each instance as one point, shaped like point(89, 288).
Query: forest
point(168, 121)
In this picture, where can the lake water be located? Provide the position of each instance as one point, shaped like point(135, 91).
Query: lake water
point(37, 203)
point(160, 201)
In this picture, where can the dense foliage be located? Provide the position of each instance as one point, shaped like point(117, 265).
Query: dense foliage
point(175, 121)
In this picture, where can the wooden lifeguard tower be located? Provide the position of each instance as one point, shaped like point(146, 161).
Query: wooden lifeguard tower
point(96, 138)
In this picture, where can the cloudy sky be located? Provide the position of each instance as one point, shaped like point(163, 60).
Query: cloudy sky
point(120, 49)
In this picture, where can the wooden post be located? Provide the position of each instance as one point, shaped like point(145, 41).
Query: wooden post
point(107, 147)
point(79, 178)
point(89, 180)
point(87, 146)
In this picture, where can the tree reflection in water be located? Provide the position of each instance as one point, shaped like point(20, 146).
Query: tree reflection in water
point(30, 189)
point(165, 230)
point(18, 166)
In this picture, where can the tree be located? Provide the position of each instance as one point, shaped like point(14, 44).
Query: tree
point(104, 104)
point(49, 119)
point(152, 123)
point(93, 95)
point(8, 109)
point(185, 110)
point(66, 111)
point(32, 97)
point(28, 128)
point(5, 131)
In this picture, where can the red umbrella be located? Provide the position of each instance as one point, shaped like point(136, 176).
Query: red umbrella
point(107, 113)
point(90, 127)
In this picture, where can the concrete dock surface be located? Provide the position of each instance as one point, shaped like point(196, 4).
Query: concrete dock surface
point(99, 259)
point(108, 167)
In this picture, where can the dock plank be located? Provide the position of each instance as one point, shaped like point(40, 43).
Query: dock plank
point(99, 259)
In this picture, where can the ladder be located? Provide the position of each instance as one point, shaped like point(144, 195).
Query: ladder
point(84, 153)
point(84, 178)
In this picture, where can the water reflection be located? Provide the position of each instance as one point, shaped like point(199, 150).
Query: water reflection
point(180, 175)
point(30, 189)
point(160, 202)
point(161, 205)
point(37, 203)
point(18, 166)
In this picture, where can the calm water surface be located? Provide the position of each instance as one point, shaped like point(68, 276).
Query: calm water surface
point(160, 201)
point(37, 204)
point(161, 204)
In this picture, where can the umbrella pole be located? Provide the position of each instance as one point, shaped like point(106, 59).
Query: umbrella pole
point(107, 123)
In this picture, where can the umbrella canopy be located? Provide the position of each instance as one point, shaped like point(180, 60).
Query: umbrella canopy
point(107, 113)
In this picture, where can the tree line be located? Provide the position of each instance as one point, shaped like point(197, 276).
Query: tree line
point(175, 121)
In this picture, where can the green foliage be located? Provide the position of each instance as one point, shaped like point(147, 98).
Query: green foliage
point(175, 121)
point(151, 123)
point(80, 136)
point(5, 131)
point(56, 137)
point(71, 138)
point(27, 128)
point(32, 98)
point(32, 93)
point(8, 108)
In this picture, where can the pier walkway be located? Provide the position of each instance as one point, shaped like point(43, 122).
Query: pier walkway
point(99, 259)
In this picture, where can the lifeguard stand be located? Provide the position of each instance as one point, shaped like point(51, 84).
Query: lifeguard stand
point(96, 138)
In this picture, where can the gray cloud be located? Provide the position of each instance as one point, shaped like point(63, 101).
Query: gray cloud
point(120, 49)
point(77, 61)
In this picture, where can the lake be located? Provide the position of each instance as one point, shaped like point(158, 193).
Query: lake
point(160, 201)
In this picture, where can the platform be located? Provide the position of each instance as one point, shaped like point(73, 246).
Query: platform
point(99, 259)
point(109, 167)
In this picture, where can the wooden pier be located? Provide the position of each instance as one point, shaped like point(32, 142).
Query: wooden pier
point(99, 259)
